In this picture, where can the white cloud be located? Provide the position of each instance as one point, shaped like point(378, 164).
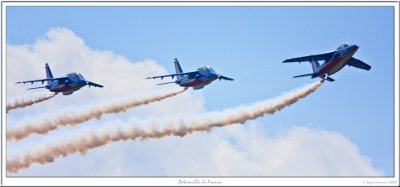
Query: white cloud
point(65, 52)
point(229, 151)
point(298, 151)
point(235, 150)
point(246, 151)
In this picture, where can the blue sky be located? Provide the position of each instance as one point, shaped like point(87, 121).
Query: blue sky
point(249, 44)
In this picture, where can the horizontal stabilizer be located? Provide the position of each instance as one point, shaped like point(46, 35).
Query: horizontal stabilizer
point(36, 88)
point(329, 79)
point(191, 74)
point(305, 75)
point(166, 83)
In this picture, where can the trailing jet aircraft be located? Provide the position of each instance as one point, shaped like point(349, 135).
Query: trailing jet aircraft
point(196, 79)
point(333, 62)
point(67, 84)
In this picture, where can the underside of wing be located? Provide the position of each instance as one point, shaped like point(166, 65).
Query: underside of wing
point(37, 87)
point(173, 75)
point(324, 56)
point(166, 83)
point(358, 64)
point(42, 80)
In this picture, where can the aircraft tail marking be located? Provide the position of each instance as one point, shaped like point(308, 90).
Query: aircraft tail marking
point(178, 68)
point(49, 75)
point(315, 65)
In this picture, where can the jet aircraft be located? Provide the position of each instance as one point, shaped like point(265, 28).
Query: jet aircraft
point(67, 84)
point(196, 79)
point(333, 62)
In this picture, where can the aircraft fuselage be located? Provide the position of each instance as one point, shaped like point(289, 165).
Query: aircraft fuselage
point(334, 61)
point(196, 79)
point(73, 83)
point(66, 84)
point(199, 81)
point(67, 89)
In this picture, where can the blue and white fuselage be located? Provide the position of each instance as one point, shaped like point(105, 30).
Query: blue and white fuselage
point(67, 84)
point(205, 76)
point(338, 60)
point(74, 82)
point(196, 79)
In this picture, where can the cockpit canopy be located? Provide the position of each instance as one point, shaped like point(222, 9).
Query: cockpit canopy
point(75, 76)
point(343, 46)
point(206, 69)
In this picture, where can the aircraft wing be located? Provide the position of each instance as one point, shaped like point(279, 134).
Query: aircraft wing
point(61, 79)
point(193, 73)
point(358, 64)
point(324, 56)
point(225, 78)
point(94, 84)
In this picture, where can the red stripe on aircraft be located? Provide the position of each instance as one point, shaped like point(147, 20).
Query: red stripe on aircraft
point(198, 82)
point(67, 88)
point(333, 63)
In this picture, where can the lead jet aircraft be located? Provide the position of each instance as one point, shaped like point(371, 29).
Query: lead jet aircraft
point(196, 79)
point(67, 84)
point(333, 62)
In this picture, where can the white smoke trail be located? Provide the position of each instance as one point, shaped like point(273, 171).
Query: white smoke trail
point(27, 101)
point(43, 127)
point(180, 126)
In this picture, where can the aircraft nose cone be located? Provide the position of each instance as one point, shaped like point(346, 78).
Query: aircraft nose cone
point(354, 47)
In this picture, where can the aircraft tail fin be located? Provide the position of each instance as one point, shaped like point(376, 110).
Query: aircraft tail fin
point(49, 75)
point(314, 65)
point(178, 68)
point(305, 75)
